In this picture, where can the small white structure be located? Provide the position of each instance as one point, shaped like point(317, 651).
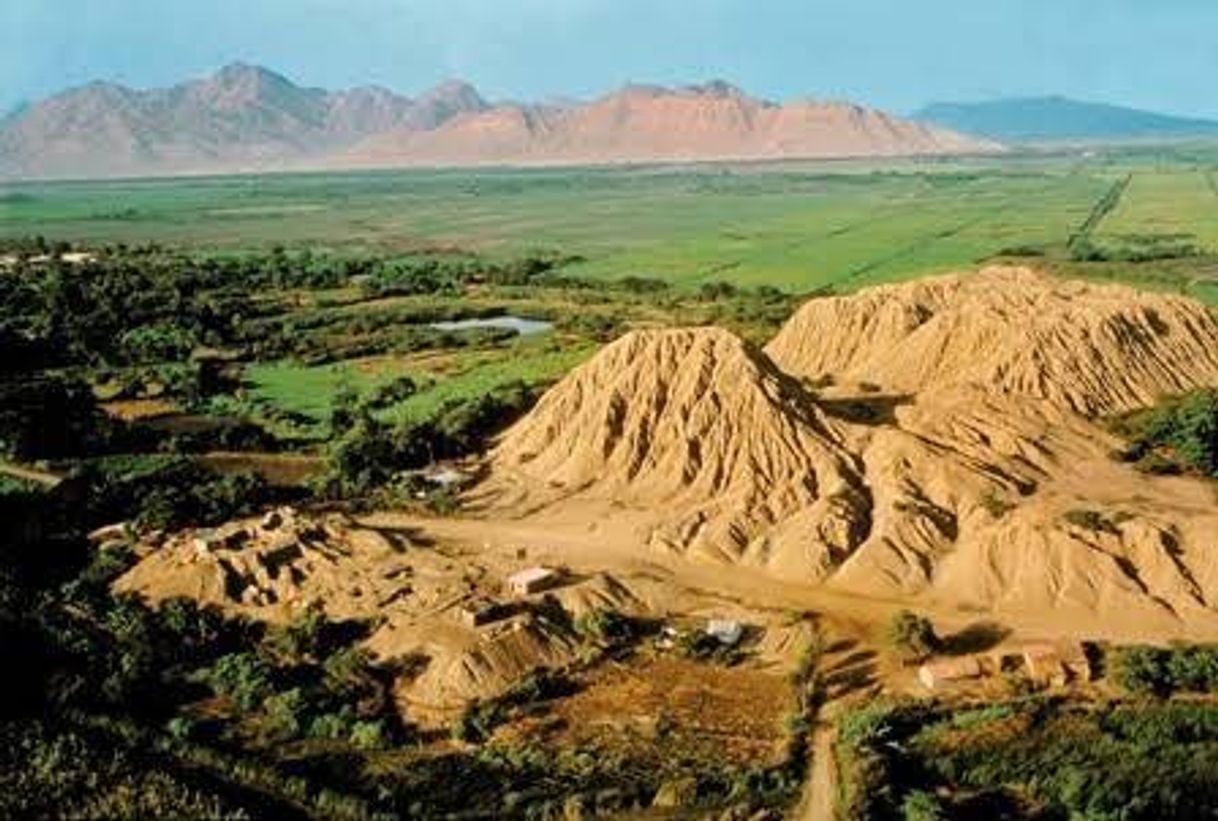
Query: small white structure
point(532, 580)
point(445, 477)
point(727, 631)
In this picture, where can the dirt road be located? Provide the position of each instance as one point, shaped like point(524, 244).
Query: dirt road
point(821, 785)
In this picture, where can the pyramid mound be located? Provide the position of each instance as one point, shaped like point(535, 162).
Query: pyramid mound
point(696, 427)
point(974, 477)
point(1094, 349)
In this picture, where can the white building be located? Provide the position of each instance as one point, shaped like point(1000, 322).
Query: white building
point(532, 580)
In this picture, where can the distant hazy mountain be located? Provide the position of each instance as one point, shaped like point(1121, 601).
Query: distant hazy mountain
point(249, 118)
point(241, 117)
point(1059, 118)
point(651, 123)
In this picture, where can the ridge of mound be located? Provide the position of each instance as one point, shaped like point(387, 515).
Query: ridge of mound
point(694, 426)
point(1094, 349)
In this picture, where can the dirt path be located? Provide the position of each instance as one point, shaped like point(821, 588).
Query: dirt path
point(821, 785)
point(39, 477)
point(585, 544)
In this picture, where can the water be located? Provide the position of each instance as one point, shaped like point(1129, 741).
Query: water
point(522, 326)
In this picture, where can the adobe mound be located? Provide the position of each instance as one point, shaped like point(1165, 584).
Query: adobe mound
point(974, 482)
point(276, 567)
point(1095, 349)
point(701, 432)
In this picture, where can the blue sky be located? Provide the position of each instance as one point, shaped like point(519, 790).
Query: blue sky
point(897, 54)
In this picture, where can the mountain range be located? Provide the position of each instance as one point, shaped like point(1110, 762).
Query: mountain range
point(1038, 119)
point(247, 118)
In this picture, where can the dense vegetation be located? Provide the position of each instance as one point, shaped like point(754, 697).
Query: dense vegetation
point(1034, 758)
point(1163, 671)
point(1178, 434)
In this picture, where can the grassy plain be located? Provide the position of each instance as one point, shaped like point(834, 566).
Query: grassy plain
point(1168, 201)
point(799, 226)
point(310, 390)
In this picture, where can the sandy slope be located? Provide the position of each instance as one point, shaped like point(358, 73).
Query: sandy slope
point(1092, 348)
point(699, 427)
point(952, 485)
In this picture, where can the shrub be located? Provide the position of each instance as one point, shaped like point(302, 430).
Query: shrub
point(368, 735)
point(180, 727)
point(242, 677)
point(1091, 520)
point(920, 805)
point(1143, 669)
point(475, 723)
point(1162, 671)
point(996, 505)
point(605, 626)
point(286, 713)
point(913, 636)
point(1186, 426)
point(331, 726)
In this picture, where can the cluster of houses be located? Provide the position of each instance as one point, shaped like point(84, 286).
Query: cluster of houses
point(1050, 664)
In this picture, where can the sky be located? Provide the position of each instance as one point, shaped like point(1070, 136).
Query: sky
point(894, 54)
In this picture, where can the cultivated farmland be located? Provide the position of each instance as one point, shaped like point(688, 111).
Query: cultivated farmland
point(794, 226)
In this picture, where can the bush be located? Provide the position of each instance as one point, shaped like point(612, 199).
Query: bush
point(1091, 520)
point(243, 678)
point(476, 722)
point(920, 805)
point(286, 713)
point(913, 636)
point(605, 626)
point(368, 735)
point(995, 505)
point(1163, 671)
point(166, 491)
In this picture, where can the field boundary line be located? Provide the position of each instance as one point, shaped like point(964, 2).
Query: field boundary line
point(1104, 206)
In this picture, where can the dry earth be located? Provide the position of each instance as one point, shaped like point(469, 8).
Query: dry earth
point(953, 431)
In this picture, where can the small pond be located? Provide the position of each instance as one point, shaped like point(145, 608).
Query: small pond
point(522, 326)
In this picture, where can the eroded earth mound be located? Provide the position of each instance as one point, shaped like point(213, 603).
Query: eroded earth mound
point(701, 427)
point(1096, 349)
point(936, 440)
point(419, 602)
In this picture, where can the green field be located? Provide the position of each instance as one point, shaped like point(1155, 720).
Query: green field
point(796, 226)
point(1170, 202)
point(310, 390)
